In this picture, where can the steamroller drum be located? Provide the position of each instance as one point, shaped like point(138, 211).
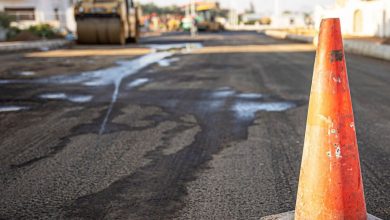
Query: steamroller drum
point(86, 30)
point(100, 31)
point(115, 31)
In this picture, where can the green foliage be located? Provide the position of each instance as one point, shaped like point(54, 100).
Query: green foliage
point(12, 32)
point(150, 8)
point(251, 22)
point(42, 30)
point(5, 20)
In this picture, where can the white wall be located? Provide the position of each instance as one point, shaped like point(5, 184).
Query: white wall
point(283, 20)
point(386, 18)
point(373, 21)
point(44, 11)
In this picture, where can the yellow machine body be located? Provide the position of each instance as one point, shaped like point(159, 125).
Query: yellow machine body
point(207, 11)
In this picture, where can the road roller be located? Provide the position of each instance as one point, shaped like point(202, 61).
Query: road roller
point(208, 19)
point(106, 21)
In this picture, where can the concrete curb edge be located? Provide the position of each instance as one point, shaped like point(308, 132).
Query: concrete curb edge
point(358, 47)
point(32, 45)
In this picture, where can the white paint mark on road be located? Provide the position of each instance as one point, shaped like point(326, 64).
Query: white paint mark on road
point(167, 62)
point(25, 73)
point(222, 93)
point(184, 47)
point(249, 109)
point(12, 108)
point(137, 82)
point(80, 98)
point(53, 96)
point(164, 63)
point(63, 96)
point(250, 95)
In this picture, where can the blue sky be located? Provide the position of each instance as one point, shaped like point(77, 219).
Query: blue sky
point(260, 5)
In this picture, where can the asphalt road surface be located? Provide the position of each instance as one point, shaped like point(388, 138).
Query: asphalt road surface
point(208, 128)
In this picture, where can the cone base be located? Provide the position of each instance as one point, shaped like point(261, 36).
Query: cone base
point(290, 216)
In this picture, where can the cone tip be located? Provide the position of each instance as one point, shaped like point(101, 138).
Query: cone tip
point(330, 28)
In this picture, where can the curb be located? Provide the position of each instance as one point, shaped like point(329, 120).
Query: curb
point(32, 45)
point(375, 50)
point(358, 47)
point(284, 35)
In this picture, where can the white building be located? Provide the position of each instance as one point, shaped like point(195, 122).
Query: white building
point(58, 13)
point(289, 20)
point(359, 17)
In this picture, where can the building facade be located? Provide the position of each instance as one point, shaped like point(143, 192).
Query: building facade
point(359, 17)
point(58, 13)
point(289, 20)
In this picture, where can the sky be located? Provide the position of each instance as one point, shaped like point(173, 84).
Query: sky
point(261, 6)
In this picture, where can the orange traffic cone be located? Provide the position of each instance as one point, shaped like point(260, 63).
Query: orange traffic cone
point(330, 182)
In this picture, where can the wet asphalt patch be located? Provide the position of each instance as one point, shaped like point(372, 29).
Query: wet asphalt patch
point(156, 189)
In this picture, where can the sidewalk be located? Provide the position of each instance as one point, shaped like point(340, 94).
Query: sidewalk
point(32, 45)
point(355, 46)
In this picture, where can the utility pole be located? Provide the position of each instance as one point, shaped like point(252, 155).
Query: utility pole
point(187, 12)
point(193, 15)
point(233, 20)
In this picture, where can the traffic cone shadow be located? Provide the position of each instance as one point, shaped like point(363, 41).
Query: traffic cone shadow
point(330, 182)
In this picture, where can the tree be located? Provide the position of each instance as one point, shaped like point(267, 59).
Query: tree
point(5, 20)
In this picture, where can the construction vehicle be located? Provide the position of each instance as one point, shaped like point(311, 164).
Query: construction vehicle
point(207, 19)
point(106, 21)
